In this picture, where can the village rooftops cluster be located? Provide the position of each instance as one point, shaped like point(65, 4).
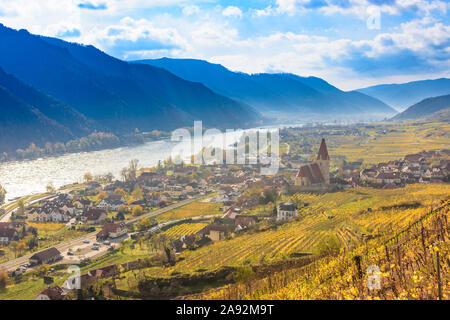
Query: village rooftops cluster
point(59, 209)
point(423, 167)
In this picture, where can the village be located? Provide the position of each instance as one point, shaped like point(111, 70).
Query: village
point(111, 212)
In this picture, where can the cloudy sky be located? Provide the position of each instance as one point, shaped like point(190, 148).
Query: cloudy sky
point(350, 43)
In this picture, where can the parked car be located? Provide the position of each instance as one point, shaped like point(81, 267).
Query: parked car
point(106, 242)
point(95, 248)
point(86, 241)
point(69, 253)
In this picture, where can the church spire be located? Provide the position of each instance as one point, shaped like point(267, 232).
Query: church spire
point(323, 151)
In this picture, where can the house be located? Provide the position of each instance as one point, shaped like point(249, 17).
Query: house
point(388, 177)
point(112, 230)
point(112, 202)
point(93, 215)
point(91, 277)
point(244, 221)
point(183, 243)
point(368, 175)
point(51, 293)
point(286, 211)
point(316, 173)
point(7, 235)
point(216, 231)
point(48, 256)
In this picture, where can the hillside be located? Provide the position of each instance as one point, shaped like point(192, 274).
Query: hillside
point(440, 116)
point(117, 95)
point(75, 123)
point(401, 96)
point(424, 108)
point(405, 258)
point(275, 92)
point(21, 123)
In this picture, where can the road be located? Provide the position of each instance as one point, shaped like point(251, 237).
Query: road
point(91, 237)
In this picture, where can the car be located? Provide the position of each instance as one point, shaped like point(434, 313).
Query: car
point(86, 241)
point(69, 253)
point(106, 242)
point(95, 248)
point(96, 244)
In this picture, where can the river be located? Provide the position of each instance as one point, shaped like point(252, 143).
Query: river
point(21, 178)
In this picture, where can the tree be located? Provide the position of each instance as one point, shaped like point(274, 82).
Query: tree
point(120, 191)
point(109, 177)
point(2, 194)
point(21, 246)
point(32, 243)
point(88, 177)
point(137, 211)
point(3, 278)
point(21, 206)
point(137, 194)
point(50, 188)
point(132, 170)
point(13, 246)
point(101, 195)
point(145, 224)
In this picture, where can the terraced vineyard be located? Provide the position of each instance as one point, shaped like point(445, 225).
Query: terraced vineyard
point(402, 139)
point(184, 229)
point(406, 262)
point(343, 217)
point(193, 209)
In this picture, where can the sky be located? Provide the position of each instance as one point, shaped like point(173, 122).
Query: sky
point(350, 43)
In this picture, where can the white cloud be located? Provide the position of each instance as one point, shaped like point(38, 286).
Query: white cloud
point(190, 10)
point(212, 36)
point(232, 11)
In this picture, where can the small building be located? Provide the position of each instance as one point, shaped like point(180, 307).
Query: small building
point(112, 202)
point(51, 293)
point(48, 256)
point(286, 211)
point(244, 221)
point(7, 235)
point(112, 230)
point(93, 215)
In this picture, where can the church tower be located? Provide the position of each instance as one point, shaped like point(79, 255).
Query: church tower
point(323, 160)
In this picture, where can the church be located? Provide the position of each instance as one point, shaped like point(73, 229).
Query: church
point(316, 174)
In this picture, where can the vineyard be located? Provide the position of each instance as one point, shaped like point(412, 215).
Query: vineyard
point(342, 219)
point(191, 210)
point(403, 265)
point(184, 229)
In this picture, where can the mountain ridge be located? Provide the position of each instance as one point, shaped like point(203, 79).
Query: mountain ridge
point(404, 95)
point(283, 92)
point(425, 108)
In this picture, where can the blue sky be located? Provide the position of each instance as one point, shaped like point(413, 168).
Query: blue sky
point(342, 41)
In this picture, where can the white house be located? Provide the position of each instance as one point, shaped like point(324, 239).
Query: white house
point(286, 211)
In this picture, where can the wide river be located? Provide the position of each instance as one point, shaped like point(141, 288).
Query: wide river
point(32, 176)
